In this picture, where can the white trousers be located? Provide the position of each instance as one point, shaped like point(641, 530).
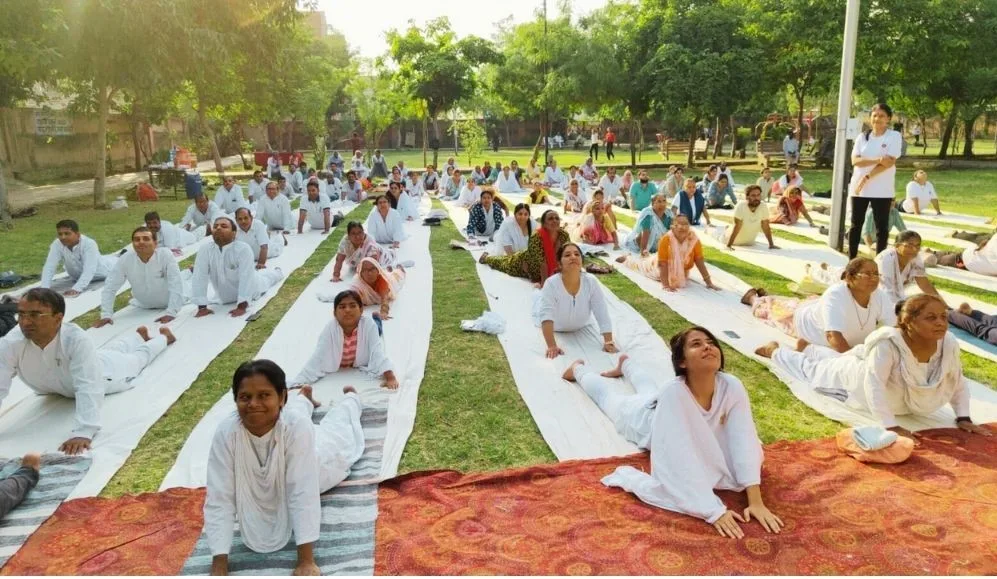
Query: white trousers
point(124, 359)
point(339, 439)
point(631, 414)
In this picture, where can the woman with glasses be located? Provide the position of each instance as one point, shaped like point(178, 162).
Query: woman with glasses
point(539, 260)
point(841, 318)
point(901, 265)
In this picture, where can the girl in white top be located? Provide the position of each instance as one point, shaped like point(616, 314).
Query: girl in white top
point(699, 429)
point(514, 234)
point(913, 368)
point(874, 158)
point(268, 465)
point(569, 299)
point(920, 193)
point(384, 224)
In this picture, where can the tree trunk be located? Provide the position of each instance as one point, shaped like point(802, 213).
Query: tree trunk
point(733, 136)
point(947, 134)
point(633, 149)
point(436, 135)
point(540, 141)
point(425, 136)
point(203, 119)
point(5, 219)
point(967, 148)
point(104, 95)
point(241, 136)
point(692, 144)
point(137, 144)
point(508, 134)
point(799, 115)
point(718, 138)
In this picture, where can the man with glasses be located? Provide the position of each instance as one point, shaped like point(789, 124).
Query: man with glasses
point(900, 265)
point(53, 357)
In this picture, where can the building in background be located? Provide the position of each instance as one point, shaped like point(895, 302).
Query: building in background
point(315, 21)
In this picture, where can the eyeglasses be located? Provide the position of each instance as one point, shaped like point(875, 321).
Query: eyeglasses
point(32, 315)
point(866, 275)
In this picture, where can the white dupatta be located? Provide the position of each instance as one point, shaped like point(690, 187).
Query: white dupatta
point(261, 493)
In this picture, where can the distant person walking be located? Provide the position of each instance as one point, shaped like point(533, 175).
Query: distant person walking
point(610, 143)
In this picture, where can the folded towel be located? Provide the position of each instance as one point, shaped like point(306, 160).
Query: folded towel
point(326, 297)
point(489, 323)
point(870, 438)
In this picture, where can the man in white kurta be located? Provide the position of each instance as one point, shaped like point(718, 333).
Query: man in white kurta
point(52, 357)
point(154, 277)
point(506, 182)
point(275, 210)
point(229, 196)
point(554, 177)
point(168, 235)
point(80, 256)
point(316, 209)
point(228, 266)
point(201, 214)
point(253, 233)
point(257, 186)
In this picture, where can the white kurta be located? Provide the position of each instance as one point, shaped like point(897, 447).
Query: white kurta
point(837, 311)
point(271, 484)
point(555, 177)
point(611, 187)
point(315, 211)
point(510, 235)
point(72, 367)
point(923, 193)
point(694, 451)
point(333, 190)
point(469, 195)
point(385, 230)
point(195, 218)
point(83, 263)
point(571, 313)
point(354, 192)
point(328, 354)
point(258, 191)
point(407, 207)
point(256, 238)
point(173, 237)
point(275, 213)
point(415, 189)
point(984, 260)
point(232, 271)
point(228, 200)
point(891, 279)
point(631, 414)
point(506, 183)
point(883, 377)
point(156, 284)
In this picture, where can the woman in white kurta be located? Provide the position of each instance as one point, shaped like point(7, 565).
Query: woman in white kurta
point(699, 429)
point(920, 194)
point(269, 464)
point(514, 234)
point(568, 301)
point(913, 368)
point(901, 265)
point(844, 315)
point(351, 340)
point(385, 224)
point(874, 158)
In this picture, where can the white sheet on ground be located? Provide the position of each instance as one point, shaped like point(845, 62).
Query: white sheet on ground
point(733, 323)
point(571, 424)
point(947, 217)
point(29, 422)
point(290, 345)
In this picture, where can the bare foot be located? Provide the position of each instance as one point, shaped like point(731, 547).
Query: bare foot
point(621, 259)
point(616, 372)
point(569, 374)
point(347, 389)
point(767, 350)
point(144, 332)
point(965, 309)
point(306, 391)
point(483, 257)
point(170, 338)
point(801, 345)
point(32, 460)
point(749, 297)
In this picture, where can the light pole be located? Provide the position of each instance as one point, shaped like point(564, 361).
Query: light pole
point(839, 199)
point(546, 110)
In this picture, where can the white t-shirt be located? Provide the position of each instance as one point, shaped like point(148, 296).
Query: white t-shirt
point(837, 311)
point(881, 186)
point(923, 193)
point(751, 222)
point(611, 189)
point(315, 210)
point(984, 261)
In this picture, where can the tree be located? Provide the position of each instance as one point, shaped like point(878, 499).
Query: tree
point(438, 68)
point(472, 137)
point(28, 50)
point(376, 105)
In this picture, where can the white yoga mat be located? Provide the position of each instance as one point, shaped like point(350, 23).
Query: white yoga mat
point(291, 344)
point(733, 323)
point(571, 424)
point(29, 422)
point(946, 217)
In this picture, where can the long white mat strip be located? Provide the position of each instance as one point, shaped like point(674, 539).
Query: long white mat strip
point(945, 218)
point(733, 323)
point(571, 424)
point(292, 342)
point(29, 422)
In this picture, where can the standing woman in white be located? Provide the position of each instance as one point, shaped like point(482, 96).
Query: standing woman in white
point(874, 158)
point(701, 436)
point(268, 465)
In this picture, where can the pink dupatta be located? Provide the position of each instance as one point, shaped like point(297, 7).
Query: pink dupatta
point(680, 255)
point(384, 289)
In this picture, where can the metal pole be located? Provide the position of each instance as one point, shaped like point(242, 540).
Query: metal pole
point(839, 198)
point(546, 111)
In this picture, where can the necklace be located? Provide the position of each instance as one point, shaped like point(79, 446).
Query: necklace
point(858, 316)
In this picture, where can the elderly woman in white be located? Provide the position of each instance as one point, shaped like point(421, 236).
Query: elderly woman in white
point(920, 194)
point(901, 265)
point(569, 300)
point(913, 368)
point(385, 224)
point(268, 465)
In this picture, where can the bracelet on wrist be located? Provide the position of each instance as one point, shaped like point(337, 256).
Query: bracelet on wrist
point(959, 419)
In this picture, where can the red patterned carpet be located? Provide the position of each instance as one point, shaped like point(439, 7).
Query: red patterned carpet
point(934, 514)
point(149, 534)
